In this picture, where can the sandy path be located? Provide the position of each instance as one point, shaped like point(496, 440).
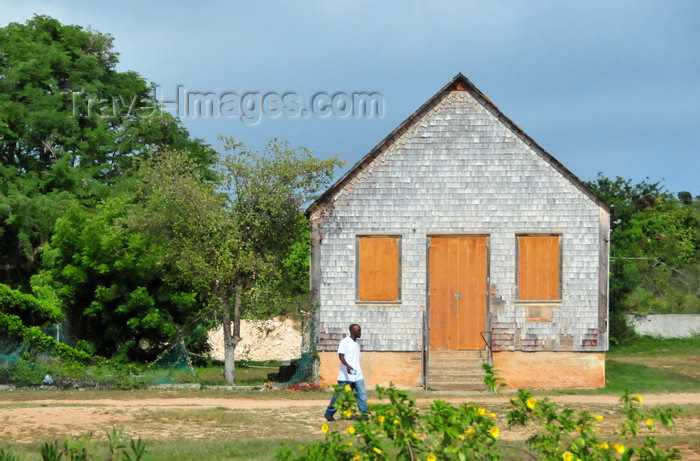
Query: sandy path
point(267, 403)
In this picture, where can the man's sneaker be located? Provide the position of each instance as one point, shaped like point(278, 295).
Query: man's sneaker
point(329, 417)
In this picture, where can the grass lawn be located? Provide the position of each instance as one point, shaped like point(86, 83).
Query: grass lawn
point(655, 365)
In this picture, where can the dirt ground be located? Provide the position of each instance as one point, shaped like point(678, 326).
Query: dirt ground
point(173, 416)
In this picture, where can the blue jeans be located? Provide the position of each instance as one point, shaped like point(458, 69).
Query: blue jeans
point(358, 388)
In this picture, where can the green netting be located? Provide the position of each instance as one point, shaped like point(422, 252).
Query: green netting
point(10, 351)
point(23, 366)
point(19, 365)
point(173, 366)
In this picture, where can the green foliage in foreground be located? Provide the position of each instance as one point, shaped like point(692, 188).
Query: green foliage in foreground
point(396, 430)
point(119, 448)
point(224, 449)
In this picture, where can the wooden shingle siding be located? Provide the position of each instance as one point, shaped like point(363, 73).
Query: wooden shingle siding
point(459, 168)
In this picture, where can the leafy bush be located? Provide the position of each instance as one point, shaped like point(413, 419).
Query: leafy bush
point(571, 435)
point(25, 374)
point(396, 430)
point(13, 326)
point(27, 308)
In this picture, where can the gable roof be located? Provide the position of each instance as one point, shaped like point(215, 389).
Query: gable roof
point(459, 83)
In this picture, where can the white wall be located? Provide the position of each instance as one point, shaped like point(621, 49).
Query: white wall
point(666, 326)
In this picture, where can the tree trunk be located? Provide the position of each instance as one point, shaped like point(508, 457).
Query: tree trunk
point(229, 349)
point(231, 337)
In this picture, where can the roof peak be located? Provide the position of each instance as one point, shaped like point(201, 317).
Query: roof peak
point(462, 83)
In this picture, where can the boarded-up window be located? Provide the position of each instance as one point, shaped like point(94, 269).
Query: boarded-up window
point(378, 268)
point(539, 263)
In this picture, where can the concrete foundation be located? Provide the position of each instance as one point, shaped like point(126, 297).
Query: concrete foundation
point(404, 369)
point(531, 370)
point(551, 370)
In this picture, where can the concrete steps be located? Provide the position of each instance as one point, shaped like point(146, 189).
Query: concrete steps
point(456, 370)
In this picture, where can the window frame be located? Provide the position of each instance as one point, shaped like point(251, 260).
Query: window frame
point(358, 268)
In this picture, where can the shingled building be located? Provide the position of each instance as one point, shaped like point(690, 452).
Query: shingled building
point(459, 240)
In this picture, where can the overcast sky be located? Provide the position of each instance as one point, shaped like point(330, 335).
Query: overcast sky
point(609, 86)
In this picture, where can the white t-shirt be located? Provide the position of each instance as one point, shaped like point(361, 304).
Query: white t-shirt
point(351, 350)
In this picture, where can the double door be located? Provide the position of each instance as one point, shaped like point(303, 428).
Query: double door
point(457, 280)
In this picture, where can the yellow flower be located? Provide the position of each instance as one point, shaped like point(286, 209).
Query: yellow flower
point(482, 411)
point(530, 403)
point(347, 413)
point(377, 450)
point(349, 444)
point(491, 415)
point(650, 423)
point(324, 428)
point(347, 388)
point(597, 417)
point(470, 431)
point(431, 457)
point(604, 445)
point(577, 428)
point(380, 419)
point(356, 458)
point(396, 421)
point(619, 447)
point(639, 399)
point(495, 431)
point(351, 430)
point(462, 436)
point(567, 456)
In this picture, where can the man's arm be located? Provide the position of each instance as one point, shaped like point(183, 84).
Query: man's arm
point(342, 360)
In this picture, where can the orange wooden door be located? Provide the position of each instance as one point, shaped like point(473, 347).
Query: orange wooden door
point(457, 279)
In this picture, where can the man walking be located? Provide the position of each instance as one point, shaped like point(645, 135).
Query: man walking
point(350, 373)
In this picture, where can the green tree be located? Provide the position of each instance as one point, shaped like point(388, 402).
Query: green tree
point(109, 283)
point(230, 237)
point(660, 250)
point(654, 248)
point(70, 127)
